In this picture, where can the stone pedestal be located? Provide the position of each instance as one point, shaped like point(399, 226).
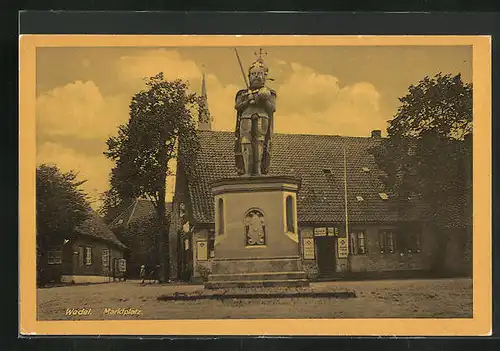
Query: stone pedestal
point(256, 242)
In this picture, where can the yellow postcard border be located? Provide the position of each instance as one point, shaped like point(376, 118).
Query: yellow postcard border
point(481, 322)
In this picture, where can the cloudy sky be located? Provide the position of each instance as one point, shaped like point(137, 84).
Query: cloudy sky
point(83, 93)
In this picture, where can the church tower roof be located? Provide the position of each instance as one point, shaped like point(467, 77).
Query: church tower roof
point(205, 119)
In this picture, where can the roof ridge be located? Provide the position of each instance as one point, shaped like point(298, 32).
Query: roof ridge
point(368, 137)
point(132, 213)
point(121, 213)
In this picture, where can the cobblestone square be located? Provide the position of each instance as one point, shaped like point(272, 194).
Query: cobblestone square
point(443, 298)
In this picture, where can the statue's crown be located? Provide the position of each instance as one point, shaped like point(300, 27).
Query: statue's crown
point(258, 66)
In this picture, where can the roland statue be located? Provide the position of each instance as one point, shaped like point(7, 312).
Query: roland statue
point(255, 108)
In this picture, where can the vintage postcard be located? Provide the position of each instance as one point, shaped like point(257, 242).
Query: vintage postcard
point(255, 185)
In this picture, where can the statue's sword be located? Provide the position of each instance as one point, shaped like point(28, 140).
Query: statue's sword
point(242, 70)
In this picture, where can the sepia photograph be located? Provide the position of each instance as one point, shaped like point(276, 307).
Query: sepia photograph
point(243, 178)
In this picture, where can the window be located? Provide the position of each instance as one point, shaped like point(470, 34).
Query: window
point(211, 243)
point(387, 241)
point(105, 258)
point(220, 214)
point(81, 254)
point(352, 244)
point(357, 243)
point(88, 255)
point(54, 255)
point(410, 240)
point(290, 220)
point(361, 243)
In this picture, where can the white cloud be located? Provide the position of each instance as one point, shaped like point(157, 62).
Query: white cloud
point(313, 103)
point(94, 169)
point(132, 69)
point(221, 103)
point(80, 110)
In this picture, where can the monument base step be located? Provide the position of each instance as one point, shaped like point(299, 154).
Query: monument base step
point(256, 265)
point(256, 283)
point(258, 276)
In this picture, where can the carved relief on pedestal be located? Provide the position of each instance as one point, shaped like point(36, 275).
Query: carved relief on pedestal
point(255, 228)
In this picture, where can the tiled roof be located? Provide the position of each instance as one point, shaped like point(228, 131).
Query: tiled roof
point(318, 161)
point(139, 209)
point(95, 226)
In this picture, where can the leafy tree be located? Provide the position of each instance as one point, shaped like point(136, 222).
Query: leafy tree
point(61, 206)
point(161, 117)
point(140, 236)
point(428, 152)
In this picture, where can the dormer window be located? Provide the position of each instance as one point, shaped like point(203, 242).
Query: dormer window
point(327, 171)
point(359, 198)
point(383, 196)
point(366, 169)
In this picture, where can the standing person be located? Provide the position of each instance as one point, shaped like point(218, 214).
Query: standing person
point(142, 273)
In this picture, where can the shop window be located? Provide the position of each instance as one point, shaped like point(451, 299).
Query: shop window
point(54, 255)
point(220, 214)
point(387, 241)
point(290, 220)
point(357, 243)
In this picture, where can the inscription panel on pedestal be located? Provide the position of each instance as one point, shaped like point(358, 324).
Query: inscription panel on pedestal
point(255, 228)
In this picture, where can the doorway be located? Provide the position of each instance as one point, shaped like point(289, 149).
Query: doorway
point(325, 248)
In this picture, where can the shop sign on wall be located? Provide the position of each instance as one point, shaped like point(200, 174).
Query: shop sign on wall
point(342, 247)
point(201, 251)
point(319, 231)
point(308, 248)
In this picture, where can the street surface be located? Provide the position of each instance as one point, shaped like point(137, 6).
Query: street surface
point(443, 298)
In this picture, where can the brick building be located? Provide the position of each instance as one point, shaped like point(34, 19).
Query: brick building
point(383, 240)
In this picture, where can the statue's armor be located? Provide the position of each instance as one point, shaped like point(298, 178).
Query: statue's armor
point(254, 123)
point(254, 115)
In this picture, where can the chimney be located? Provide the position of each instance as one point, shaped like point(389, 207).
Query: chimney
point(376, 134)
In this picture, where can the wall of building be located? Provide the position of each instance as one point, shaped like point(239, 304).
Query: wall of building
point(309, 265)
point(201, 266)
point(457, 258)
point(373, 261)
point(458, 252)
point(96, 268)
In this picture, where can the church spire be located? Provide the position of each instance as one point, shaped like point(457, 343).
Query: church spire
point(205, 120)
